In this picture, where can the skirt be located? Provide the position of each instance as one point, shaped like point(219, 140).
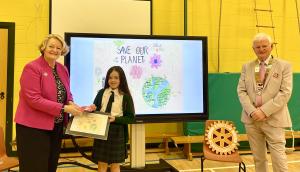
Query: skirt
point(112, 150)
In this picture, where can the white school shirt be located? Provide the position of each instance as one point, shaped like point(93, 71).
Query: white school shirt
point(116, 108)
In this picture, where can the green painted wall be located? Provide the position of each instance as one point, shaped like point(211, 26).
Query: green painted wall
point(224, 103)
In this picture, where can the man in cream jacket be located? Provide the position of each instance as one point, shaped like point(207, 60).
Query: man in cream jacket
point(264, 89)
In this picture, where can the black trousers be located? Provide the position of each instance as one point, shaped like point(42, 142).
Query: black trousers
point(38, 150)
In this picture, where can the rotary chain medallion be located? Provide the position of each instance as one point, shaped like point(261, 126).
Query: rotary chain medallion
point(222, 137)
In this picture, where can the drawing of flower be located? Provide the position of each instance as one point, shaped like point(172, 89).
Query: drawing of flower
point(155, 61)
point(136, 72)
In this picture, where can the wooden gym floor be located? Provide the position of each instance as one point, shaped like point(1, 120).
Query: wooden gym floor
point(179, 162)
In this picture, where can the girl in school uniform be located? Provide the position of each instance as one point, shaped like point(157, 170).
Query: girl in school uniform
point(113, 151)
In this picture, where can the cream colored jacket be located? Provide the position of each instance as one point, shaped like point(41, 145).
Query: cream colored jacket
point(276, 93)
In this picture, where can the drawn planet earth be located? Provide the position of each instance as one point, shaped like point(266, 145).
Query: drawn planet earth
point(156, 92)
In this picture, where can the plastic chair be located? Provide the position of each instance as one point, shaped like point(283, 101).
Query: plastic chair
point(6, 163)
point(225, 137)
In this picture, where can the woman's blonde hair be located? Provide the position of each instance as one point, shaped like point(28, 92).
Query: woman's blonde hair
point(65, 47)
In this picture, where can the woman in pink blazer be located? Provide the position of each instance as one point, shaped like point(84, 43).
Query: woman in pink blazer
point(44, 101)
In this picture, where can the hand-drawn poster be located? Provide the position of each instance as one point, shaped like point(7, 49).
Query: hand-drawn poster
point(93, 125)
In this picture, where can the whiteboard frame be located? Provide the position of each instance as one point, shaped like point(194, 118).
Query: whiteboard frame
point(64, 16)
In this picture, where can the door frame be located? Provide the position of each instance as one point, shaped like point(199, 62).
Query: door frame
point(10, 26)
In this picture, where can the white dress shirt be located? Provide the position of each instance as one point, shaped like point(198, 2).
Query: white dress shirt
point(116, 109)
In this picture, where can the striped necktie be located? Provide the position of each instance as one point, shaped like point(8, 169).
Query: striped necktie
point(262, 75)
point(262, 71)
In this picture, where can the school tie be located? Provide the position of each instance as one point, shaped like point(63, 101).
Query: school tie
point(110, 101)
point(262, 71)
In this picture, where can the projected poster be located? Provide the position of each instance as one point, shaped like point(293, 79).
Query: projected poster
point(159, 72)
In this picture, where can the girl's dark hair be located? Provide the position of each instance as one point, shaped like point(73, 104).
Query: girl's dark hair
point(123, 87)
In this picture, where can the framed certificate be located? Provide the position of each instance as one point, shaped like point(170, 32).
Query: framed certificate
point(93, 125)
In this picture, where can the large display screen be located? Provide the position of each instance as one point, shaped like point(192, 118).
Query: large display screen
point(167, 75)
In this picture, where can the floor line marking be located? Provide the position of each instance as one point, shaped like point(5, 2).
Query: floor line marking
point(227, 167)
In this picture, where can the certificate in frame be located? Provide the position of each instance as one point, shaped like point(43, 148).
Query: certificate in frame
point(92, 125)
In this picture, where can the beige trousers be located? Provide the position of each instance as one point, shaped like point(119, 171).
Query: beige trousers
point(260, 134)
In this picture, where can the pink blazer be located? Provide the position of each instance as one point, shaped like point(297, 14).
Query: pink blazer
point(38, 104)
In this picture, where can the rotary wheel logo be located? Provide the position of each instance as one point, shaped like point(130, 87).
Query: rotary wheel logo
point(221, 137)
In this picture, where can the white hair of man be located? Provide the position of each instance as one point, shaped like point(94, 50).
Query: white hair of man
point(262, 36)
